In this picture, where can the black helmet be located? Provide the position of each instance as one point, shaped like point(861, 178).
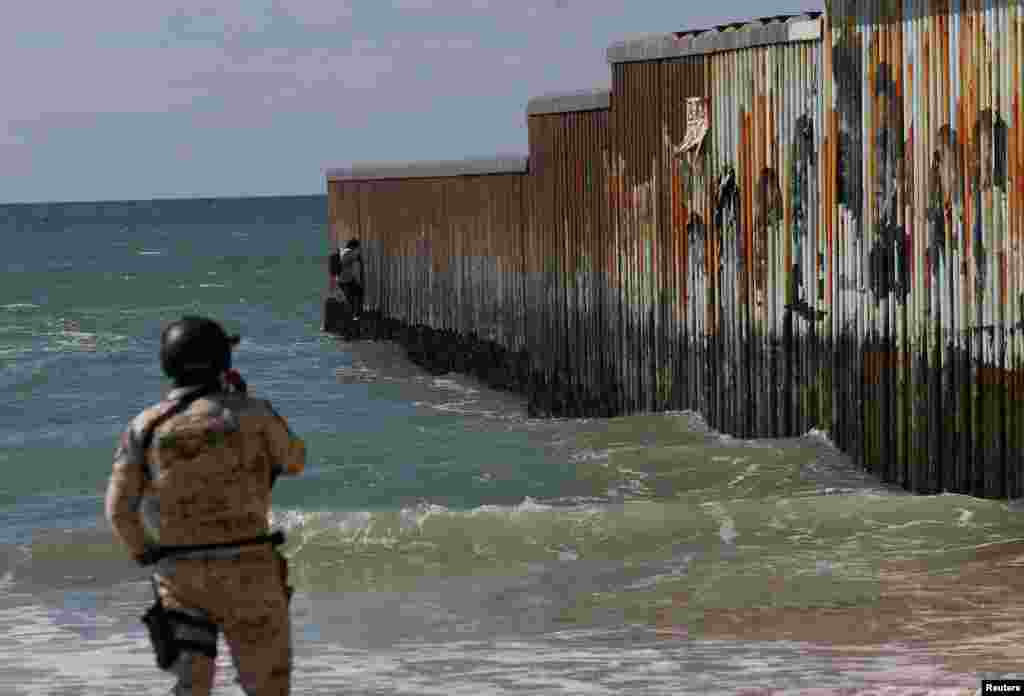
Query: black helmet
point(195, 350)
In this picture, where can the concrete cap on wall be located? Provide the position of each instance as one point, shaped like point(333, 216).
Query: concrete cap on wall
point(581, 100)
point(418, 170)
point(725, 37)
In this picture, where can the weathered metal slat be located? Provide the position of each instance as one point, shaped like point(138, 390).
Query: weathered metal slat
point(542, 233)
point(591, 146)
point(546, 237)
point(749, 185)
point(560, 229)
point(545, 222)
point(648, 157)
point(624, 137)
point(554, 231)
point(572, 210)
point(584, 290)
point(643, 97)
point(622, 131)
point(722, 153)
point(919, 438)
point(642, 158)
point(655, 245)
point(670, 79)
point(598, 240)
point(530, 294)
point(662, 365)
point(825, 129)
point(870, 236)
point(940, 363)
point(603, 243)
point(1015, 254)
point(631, 236)
point(612, 255)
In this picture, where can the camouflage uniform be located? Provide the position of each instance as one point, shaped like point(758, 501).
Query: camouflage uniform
point(206, 479)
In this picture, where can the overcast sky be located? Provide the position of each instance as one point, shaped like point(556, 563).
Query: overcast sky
point(130, 99)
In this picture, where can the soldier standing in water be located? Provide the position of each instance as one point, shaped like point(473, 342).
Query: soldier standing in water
point(190, 492)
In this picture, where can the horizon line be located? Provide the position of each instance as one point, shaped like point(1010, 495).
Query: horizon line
point(167, 199)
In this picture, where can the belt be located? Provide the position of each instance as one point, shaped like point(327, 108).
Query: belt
point(159, 552)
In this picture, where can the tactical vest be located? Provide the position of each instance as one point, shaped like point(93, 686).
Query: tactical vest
point(210, 472)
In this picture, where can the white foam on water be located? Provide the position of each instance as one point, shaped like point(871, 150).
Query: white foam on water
point(152, 253)
point(727, 533)
point(212, 285)
point(531, 505)
point(679, 568)
point(627, 488)
point(749, 471)
point(413, 518)
point(291, 519)
point(564, 552)
point(449, 384)
point(820, 436)
point(19, 305)
point(462, 407)
point(727, 526)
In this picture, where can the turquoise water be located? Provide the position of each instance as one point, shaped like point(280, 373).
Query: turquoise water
point(440, 540)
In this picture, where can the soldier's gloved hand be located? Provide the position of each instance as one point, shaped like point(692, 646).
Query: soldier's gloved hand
point(148, 557)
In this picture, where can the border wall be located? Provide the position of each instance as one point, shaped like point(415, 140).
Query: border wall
point(841, 249)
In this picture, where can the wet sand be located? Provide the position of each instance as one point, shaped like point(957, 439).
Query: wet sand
point(968, 619)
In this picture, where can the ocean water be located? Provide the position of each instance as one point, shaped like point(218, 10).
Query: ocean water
point(442, 542)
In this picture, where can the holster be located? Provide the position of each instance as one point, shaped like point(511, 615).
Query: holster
point(167, 646)
point(161, 633)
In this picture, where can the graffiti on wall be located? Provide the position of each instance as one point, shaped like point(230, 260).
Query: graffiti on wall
point(848, 72)
point(767, 225)
point(943, 200)
point(967, 161)
point(727, 219)
point(988, 178)
point(803, 180)
point(888, 259)
point(689, 191)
